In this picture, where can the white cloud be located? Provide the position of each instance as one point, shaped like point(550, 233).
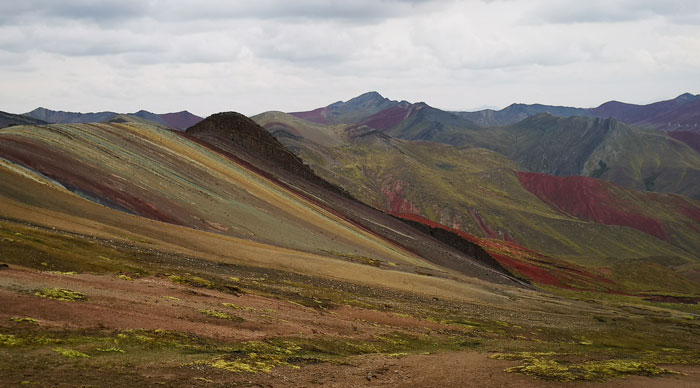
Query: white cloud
point(252, 56)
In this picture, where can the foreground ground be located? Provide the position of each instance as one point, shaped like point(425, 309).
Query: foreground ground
point(80, 311)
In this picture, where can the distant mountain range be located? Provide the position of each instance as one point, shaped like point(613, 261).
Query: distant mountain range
point(9, 119)
point(376, 111)
point(179, 120)
point(554, 180)
point(638, 146)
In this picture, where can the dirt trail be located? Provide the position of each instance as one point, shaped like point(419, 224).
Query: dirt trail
point(458, 370)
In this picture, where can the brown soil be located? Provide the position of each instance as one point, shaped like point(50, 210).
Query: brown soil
point(114, 303)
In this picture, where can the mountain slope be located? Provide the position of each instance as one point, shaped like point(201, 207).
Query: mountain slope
point(599, 148)
point(240, 138)
point(204, 304)
point(160, 175)
point(682, 112)
point(477, 191)
point(9, 119)
point(249, 187)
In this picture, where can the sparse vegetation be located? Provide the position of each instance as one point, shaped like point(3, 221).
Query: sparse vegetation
point(220, 315)
point(110, 350)
point(24, 320)
point(543, 366)
point(236, 307)
point(70, 353)
point(9, 340)
point(60, 294)
point(195, 281)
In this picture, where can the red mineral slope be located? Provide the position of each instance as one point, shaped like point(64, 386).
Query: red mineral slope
point(317, 115)
point(589, 199)
point(393, 191)
point(527, 263)
point(688, 137)
point(389, 117)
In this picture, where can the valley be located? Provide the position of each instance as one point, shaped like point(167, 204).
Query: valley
point(301, 253)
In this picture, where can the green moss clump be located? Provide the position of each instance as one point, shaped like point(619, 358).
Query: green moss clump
point(220, 315)
point(60, 294)
point(236, 307)
point(195, 281)
point(70, 353)
point(542, 365)
point(23, 320)
point(521, 355)
point(9, 340)
point(110, 350)
point(252, 363)
point(592, 370)
point(69, 273)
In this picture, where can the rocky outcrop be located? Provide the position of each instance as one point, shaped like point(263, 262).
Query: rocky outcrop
point(237, 135)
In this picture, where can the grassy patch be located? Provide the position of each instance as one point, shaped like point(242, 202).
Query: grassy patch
point(236, 307)
point(111, 350)
point(10, 340)
point(60, 294)
point(70, 353)
point(195, 281)
point(220, 315)
point(24, 320)
point(553, 366)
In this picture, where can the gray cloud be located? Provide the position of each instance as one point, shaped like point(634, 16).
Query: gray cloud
point(257, 55)
point(602, 11)
point(109, 11)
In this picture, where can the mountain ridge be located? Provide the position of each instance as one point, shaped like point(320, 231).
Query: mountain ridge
point(177, 120)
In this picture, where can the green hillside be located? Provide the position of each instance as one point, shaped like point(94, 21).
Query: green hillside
point(477, 191)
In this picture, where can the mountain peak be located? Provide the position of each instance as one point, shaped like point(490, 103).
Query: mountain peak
point(367, 98)
point(371, 95)
point(687, 97)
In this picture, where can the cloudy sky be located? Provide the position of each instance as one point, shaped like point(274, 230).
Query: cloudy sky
point(258, 55)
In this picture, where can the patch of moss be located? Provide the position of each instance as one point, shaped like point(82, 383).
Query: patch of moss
point(220, 315)
point(543, 365)
point(593, 370)
point(195, 281)
point(69, 273)
point(252, 363)
point(24, 320)
point(70, 353)
point(110, 350)
point(60, 294)
point(521, 355)
point(10, 340)
point(235, 307)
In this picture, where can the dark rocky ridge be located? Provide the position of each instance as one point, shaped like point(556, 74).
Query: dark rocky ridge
point(457, 242)
point(236, 133)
